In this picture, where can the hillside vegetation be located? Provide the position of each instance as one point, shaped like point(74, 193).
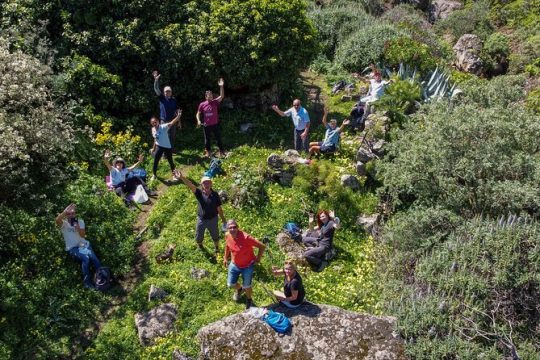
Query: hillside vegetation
point(456, 259)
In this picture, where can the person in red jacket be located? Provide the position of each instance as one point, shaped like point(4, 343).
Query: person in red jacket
point(240, 246)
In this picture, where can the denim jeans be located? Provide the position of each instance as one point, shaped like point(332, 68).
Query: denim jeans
point(234, 273)
point(85, 260)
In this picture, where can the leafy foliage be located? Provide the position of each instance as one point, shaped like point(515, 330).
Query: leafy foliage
point(365, 47)
point(408, 51)
point(473, 19)
point(399, 99)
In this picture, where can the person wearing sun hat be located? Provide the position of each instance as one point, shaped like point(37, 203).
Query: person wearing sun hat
point(209, 208)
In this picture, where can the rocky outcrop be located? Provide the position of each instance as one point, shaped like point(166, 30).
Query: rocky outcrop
point(467, 54)
point(292, 249)
point(281, 167)
point(441, 9)
point(178, 355)
point(156, 293)
point(361, 168)
point(199, 274)
point(369, 223)
point(350, 181)
point(320, 332)
point(157, 322)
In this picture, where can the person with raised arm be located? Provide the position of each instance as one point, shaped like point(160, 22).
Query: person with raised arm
point(74, 233)
point(118, 172)
point(331, 137)
point(207, 116)
point(167, 107)
point(239, 246)
point(209, 208)
point(320, 244)
point(162, 144)
point(300, 119)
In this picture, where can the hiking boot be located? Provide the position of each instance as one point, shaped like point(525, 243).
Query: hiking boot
point(237, 293)
point(216, 248)
point(200, 246)
point(152, 193)
point(249, 303)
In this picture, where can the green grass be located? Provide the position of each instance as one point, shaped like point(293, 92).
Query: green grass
point(348, 281)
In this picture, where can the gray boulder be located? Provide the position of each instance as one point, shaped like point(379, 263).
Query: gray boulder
point(368, 222)
point(199, 274)
point(320, 332)
point(178, 355)
point(157, 322)
point(364, 155)
point(441, 9)
point(378, 147)
point(350, 181)
point(275, 161)
point(292, 250)
point(467, 54)
point(223, 196)
point(361, 168)
point(156, 293)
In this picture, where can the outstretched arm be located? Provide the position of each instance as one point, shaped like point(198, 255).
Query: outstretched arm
point(60, 217)
point(185, 180)
point(156, 82)
point(106, 157)
point(139, 160)
point(325, 114)
point(345, 123)
point(277, 110)
point(221, 84)
point(176, 119)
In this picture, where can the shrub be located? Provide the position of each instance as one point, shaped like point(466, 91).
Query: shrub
point(495, 51)
point(474, 19)
point(335, 23)
point(533, 100)
point(400, 99)
point(36, 139)
point(365, 47)
point(408, 51)
point(124, 143)
point(248, 189)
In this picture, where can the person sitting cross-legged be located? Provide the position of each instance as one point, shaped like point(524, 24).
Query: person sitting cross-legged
point(293, 290)
point(331, 137)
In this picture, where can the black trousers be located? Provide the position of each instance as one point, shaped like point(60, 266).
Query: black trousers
point(159, 153)
point(208, 131)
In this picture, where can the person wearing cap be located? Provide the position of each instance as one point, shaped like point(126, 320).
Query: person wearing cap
point(210, 119)
point(240, 245)
point(300, 119)
point(118, 172)
point(162, 143)
point(74, 233)
point(167, 107)
point(209, 208)
point(331, 137)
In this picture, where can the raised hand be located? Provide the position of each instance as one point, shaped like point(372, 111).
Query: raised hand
point(220, 82)
point(107, 154)
point(331, 213)
point(69, 208)
point(346, 122)
point(156, 74)
point(140, 158)
point(275, 107)
point(178, 173)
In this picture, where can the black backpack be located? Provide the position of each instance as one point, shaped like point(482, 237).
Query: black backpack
point(102, 278)
point(357, 118)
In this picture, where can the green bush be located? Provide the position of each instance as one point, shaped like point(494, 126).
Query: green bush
point(335, 23)
point(473, 19)
point(400, 99)
point(365, 47)
point(495, 51)
point(248, 189)
point(533, 100)
point(411, 52)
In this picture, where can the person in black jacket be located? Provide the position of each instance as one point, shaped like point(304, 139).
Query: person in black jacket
point(293, 290)
point(320, 242)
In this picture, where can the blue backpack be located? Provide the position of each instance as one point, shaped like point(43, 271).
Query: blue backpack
point(137, 172)
point(277, 321)
point(294, 231)
point(214, 169)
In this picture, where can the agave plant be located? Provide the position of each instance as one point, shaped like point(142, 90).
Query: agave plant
point(438, 86)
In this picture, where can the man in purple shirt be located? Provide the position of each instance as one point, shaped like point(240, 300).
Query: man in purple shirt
point(210, 120)
point(167, 107)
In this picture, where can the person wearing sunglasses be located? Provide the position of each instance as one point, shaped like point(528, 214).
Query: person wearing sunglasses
point(240, 246)
point(300, 119)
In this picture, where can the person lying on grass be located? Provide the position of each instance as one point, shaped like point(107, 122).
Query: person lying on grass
point(77, 246)
point(320, 242)
point(240, 245)
point(293, 290)
point(118, 172)
point(331, 137)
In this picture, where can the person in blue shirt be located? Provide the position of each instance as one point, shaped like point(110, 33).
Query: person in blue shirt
point(167, 107)
point(331, 137)
point(300, 119)
point(162, 143)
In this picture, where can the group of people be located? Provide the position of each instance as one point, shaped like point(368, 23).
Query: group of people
point(239, 256)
